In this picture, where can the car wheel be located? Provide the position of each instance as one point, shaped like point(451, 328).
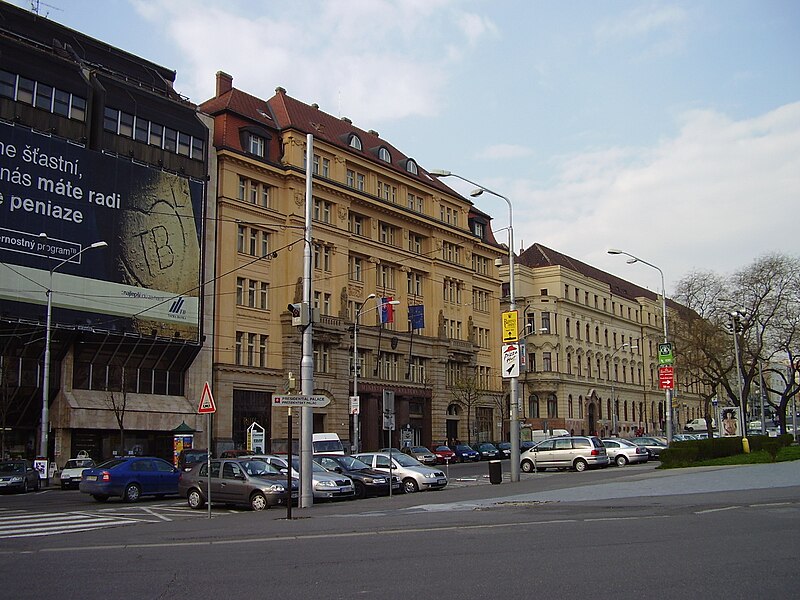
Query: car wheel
point(258, 501)
point(527, 466)
point(410, 486)
point(132, 493)
point(580, 465)
point(361, 490)
point(195, 499)
point(100, 497)
point(621, 460)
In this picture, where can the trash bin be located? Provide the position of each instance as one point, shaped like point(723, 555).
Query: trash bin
point(495, 471)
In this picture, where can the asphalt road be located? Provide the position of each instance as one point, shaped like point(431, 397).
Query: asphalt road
point(720, 533)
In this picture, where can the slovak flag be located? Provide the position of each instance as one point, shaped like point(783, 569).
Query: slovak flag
point(387, 310)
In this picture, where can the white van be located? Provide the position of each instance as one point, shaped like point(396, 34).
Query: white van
point(539, 435)
point(326, 443)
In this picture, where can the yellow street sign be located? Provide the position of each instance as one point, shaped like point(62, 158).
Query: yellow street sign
point(510, 328)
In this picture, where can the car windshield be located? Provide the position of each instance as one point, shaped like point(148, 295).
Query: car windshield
point(110, 464)
point(464, 448)
point(406, 461)
point(78, 463)
point(11, 467)
point(420, 450)
point(351, 463)
point(622, 442)
point(258, 468)
point(443, 449)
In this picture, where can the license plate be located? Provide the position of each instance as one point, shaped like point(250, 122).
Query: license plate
point(441, 481)
point(91, 478)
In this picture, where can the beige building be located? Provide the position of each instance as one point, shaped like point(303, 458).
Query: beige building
point(591, 343)
point(381, 225)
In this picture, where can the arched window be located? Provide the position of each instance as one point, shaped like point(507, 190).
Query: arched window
point(453, 410)
point(625, 407)
point(384, 155)
point(597, 335)
point(588, 339)
point(570, 408)
point(552, 407)
point(533, 406)
point(606, 334)
point(411, 166)
point(355, 142)
point(569, 331)
point(580, 407)
point(588, 366)
point(608, 407)
point(578, 330)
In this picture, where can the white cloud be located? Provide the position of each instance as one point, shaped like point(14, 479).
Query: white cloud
point(342, 54)
point(655, 30)
point(716, 196)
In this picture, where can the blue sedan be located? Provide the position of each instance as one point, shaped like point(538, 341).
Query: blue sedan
point(130, 478)
point(464, 453)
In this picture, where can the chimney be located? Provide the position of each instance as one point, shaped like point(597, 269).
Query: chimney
point(224, 83)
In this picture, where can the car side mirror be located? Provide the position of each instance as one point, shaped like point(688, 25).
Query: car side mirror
point(339, 470)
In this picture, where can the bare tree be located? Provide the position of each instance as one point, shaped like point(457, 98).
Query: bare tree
point(466, 393)
point(758, 305)
point(117, 401)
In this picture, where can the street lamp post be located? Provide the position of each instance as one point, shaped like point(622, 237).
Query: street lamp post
point(614, 408)
point(514, 383)
point(43, 438)
point(356, 437)
point(667, 392)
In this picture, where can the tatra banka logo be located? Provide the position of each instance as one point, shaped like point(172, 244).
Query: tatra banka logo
point(177, 307)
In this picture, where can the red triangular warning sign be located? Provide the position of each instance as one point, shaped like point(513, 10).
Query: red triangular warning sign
point(207, 401)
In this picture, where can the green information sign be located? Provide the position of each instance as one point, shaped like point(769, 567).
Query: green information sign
point(665, 356)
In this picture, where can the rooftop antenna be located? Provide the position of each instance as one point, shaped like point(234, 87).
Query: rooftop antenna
point(36, 7)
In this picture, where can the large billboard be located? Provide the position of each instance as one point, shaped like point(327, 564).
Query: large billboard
point(57, 198)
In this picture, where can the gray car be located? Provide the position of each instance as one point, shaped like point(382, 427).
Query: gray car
point(18, 476)
point(414, 475)
point(575, 452)
point(327, 485)
point(622, 452)
point(242, 481)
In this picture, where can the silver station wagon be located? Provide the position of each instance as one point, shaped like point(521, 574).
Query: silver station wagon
point(575, 452)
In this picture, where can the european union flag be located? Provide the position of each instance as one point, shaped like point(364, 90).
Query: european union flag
point(416, 315)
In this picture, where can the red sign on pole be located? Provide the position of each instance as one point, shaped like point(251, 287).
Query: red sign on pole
point(666, 378)
point(207, 405)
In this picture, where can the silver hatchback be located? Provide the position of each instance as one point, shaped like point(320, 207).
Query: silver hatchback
point(575, 452)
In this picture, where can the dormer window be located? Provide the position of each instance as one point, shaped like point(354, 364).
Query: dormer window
point(411, 167)
point(384, 155)
point(256, 144)
point(355, 142)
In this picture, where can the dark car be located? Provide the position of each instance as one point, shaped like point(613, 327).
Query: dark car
point(18, 476)
point(190, 457)
point(653, 445)
point(444, 455)
point(236, 453)
point(366, 480)
point(504, 449)
point(466, 454)
point(131, 477)
point(245, 481)
point(487, 451)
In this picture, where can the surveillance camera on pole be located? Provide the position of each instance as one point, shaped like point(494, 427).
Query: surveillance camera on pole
point(300, 316)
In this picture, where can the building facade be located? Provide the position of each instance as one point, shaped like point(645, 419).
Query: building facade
point(383, 228)
point(97, 146)
point(591, 346)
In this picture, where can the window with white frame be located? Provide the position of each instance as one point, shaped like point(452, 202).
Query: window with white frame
point(357, 224)
point(238, 348)
point(386, 233)
point(262, 350)
point(480, 264)
point(322, 210)
point(360, 182)
point(322, 358)
point(451, 252)
point(356, 268)
point(414, 283)
point(388, 368)
point(256, 144)
point(411, 167)
point(416, 368)
point(241, 238)
point(251, 293)
point(263, 295)
point(415, 243)
point(240, 284)
point(385, 278)
point(251, 349)
point(384, 155)
point(354, 142)
point(387, 192)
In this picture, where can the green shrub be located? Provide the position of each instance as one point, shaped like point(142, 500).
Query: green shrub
point(772, 449)
point(676, 455)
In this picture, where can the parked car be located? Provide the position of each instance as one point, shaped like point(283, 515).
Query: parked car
point(503, 449)
point(190, 457)
point(653, 445)
point(414, 475)
point(130, 477)
point(465, 453)
point(18, 475)
point(700, 425)
point(243, 481)
point(576, 452)
point(70, 475)
point(327, 485)
point(486, 450)
point(421, 453)
point(684, 437)
point(366, 480)
point(237, 453)
point(526, 445)
point(621, 452)
point(444, 455)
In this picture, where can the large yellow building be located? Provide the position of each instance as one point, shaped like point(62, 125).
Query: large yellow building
point(381, 225)
point(592, 350)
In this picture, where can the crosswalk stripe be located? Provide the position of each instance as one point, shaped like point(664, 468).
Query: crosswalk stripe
point(33, 524)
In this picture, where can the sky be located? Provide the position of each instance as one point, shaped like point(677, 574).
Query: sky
point(667, 129)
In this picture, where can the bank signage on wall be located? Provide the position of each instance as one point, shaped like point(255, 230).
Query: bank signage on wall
point(57, 198)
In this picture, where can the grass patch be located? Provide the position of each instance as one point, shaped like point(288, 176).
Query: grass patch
point(754, 458)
